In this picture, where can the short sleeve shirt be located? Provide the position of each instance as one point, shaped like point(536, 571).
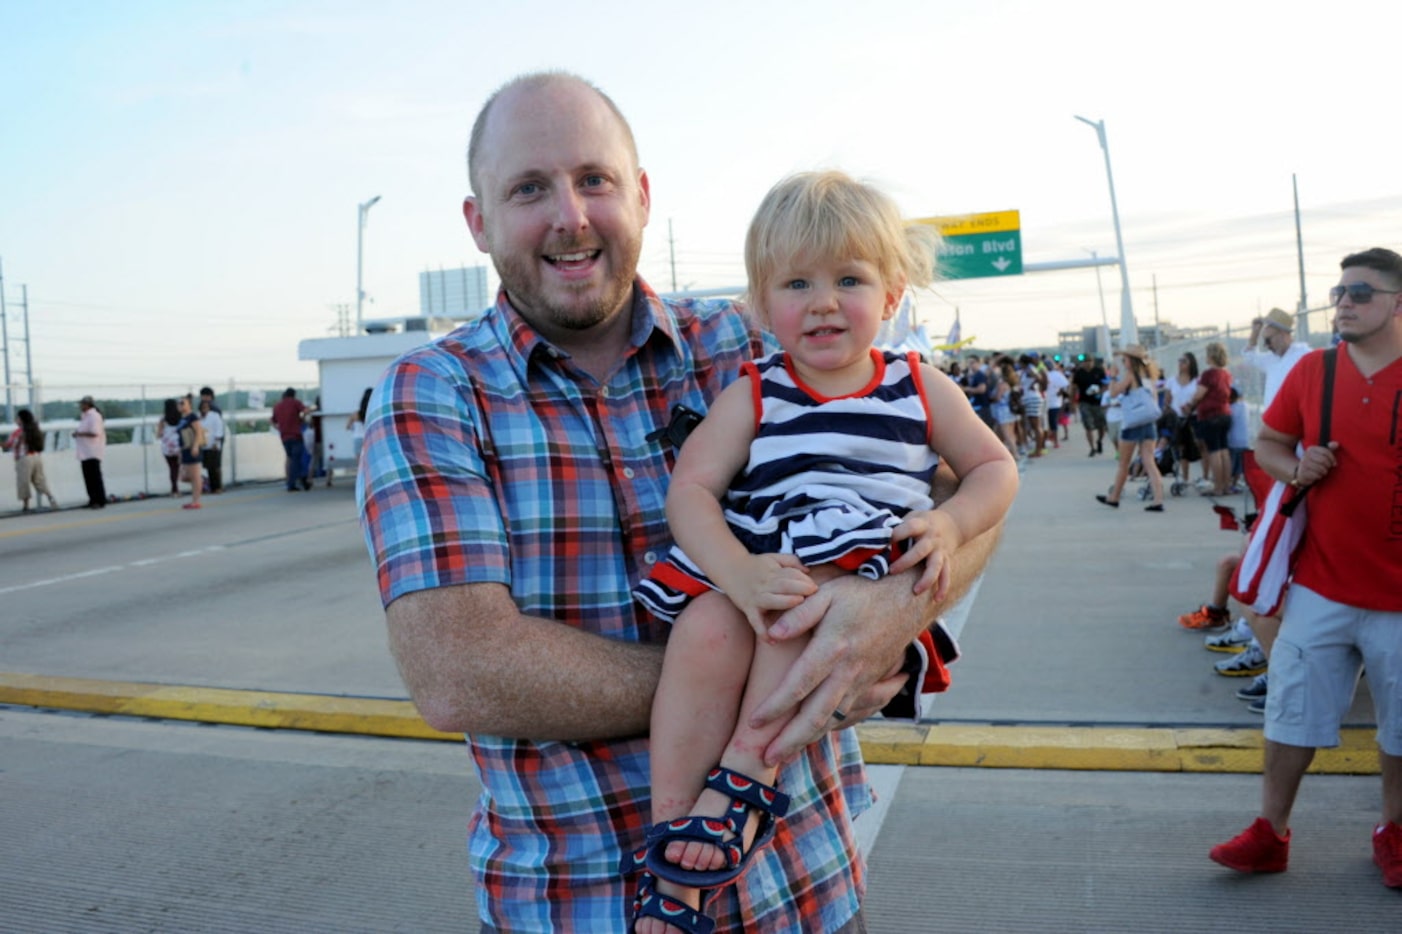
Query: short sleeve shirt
point(1218, 399)
point(1352, 548)
point(489, 457)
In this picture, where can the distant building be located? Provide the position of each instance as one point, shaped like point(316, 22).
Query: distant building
point(453, 293)
point(1088, 341)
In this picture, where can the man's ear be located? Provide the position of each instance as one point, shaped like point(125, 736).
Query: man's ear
point(645, 195)
point(476, 224)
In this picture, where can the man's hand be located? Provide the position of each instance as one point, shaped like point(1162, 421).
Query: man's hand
point(848, 664)
point(1316, 464)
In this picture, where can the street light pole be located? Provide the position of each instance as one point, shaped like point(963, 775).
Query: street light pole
point(1129, 330)
point(364, 209)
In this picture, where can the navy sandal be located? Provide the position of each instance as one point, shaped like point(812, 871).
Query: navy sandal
point(650, 903)
point(746, 795)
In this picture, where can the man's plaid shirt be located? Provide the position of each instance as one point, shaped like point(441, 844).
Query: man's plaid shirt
point(489, 458)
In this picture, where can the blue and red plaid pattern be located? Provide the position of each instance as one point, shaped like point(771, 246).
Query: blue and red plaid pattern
point(489, 458)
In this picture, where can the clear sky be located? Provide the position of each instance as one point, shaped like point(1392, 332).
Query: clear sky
point(179, 180)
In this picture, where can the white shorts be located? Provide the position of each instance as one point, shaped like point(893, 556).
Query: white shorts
point(1322, 648)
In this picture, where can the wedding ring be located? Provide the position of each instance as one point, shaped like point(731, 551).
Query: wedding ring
point(839, 716)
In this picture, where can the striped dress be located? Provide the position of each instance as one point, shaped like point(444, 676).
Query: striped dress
point(827, 479)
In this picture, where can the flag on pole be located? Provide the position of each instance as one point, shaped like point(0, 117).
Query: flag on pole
point(954, 330)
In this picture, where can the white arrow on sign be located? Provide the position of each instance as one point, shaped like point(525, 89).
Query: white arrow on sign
point(1001, 263)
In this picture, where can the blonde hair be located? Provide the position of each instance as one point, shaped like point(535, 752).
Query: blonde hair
point(831, 215)
point(1216, 354)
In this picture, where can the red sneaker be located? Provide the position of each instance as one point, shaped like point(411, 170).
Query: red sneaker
point(1387, 853)
point(1205, 617)
point(1258, 849)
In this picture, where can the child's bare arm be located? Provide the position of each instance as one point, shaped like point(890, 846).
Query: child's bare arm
point(716, 451)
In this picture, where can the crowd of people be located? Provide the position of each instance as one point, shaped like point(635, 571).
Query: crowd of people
point(1025, 400)
point(190, 434)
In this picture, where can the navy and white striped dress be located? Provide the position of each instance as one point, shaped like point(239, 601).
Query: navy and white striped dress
point(827, 479)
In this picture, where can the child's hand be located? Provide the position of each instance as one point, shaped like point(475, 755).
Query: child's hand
point(764, 585)
point(930, 536)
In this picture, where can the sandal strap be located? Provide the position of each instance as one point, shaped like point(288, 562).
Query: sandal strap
point(755, 793)
point(650, 903)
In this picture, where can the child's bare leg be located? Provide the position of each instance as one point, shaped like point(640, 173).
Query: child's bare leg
point(694, 713)
point(744, 753)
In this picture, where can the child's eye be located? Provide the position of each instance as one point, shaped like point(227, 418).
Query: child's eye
point(848, 281)
point(796, 284)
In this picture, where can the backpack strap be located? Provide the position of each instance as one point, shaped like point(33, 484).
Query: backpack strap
point(1326, 404)
point(1326, 410)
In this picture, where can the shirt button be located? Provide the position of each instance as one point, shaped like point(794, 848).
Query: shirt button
point(604, 392)
point(628, 472)
point(650, 557)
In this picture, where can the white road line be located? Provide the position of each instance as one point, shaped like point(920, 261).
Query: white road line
point(883, 780)
point(94, 572)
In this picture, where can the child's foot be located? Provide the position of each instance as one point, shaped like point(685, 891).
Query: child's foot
point(733, 817)
point(693, 854)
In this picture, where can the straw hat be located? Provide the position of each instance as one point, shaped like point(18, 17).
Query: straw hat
point(1136, 351)
point(1280, 319)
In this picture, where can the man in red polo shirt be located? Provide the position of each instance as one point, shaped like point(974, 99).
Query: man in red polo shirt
point(1344, 608)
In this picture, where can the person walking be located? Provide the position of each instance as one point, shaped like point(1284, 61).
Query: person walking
point(89, 445)
point(1136, 371)
point(289, 418)
point(1007, 386)
point(1343, 612)
point(1088, 382)
point(26, 442)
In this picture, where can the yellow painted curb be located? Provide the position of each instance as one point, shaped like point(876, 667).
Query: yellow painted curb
point(1110, 749)
point(1121, 749)
point(319, 712)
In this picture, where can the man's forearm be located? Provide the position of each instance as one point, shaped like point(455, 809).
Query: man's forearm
point(475, 665)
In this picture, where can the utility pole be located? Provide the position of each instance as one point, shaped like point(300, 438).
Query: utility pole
point(1302, 317)
point(28, 357)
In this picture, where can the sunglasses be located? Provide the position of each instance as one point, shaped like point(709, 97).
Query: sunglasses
point(1360, 293)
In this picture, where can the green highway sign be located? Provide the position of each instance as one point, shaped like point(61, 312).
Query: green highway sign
point(977, 245)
